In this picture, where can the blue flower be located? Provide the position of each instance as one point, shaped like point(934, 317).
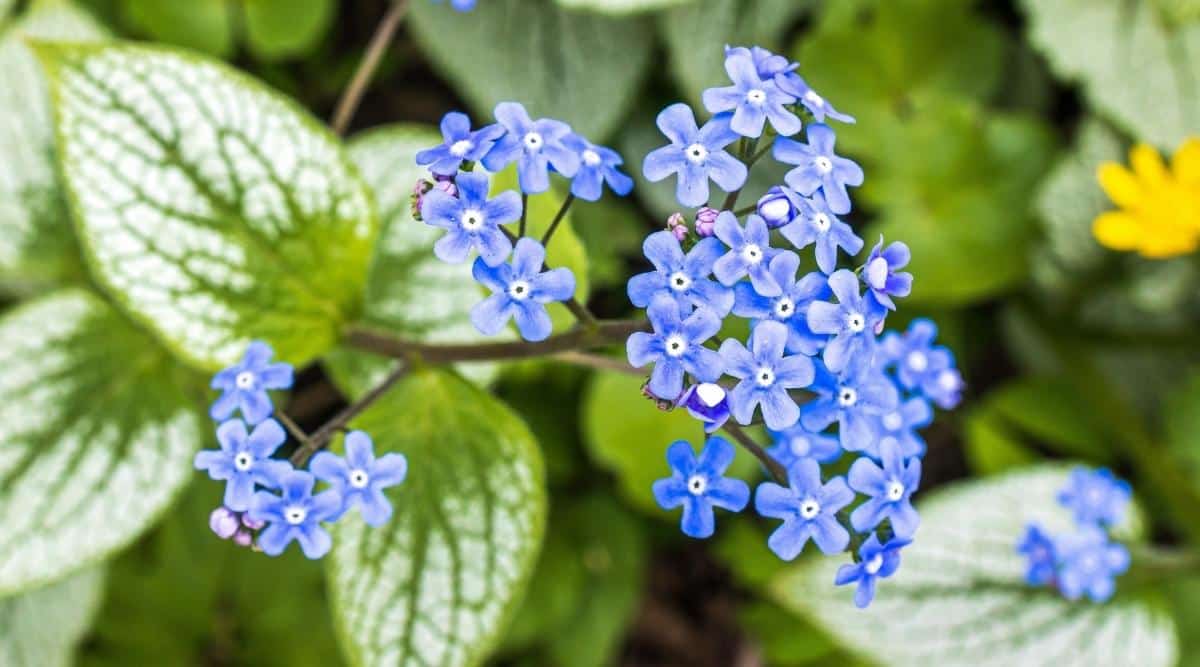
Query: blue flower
point(534, 145)
point(708, 402)
point(900, 427)
point(766, 376)
point(808, 509)
point(244, 385)
point(852, 321)
point(767, 64)
point(471, 220)
point(890, 488)
point(675, 347)
point(244, 460)
point(1088, 562)
point(819, 168)
point(853, 399)
point(296, 515)
point(875, 561)
point(461, 5)
point(790, 307)
point(815, 223)
point(880, 273)
point(795, 85)
point(360, 478)
point(1095, 497)
point(779, 206)
point(922, 366)
point(1041, 559)
point(459, 144)
point(796, 442)
point(597, 166)
point(699, 485)
point(750, 253)
point(696, 154)
point(752, 99)
point(683, 278)
point(520, 291)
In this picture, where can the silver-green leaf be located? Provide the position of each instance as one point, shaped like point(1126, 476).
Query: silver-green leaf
point(96, 436)
point(41, 628)
point(215, 210)
point(620, 6)
point(436, 585)
point(959, 597)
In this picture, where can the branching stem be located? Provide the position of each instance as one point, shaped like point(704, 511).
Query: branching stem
point(380, 41)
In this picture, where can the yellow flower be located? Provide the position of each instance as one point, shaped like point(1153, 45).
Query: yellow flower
point(1159, 209)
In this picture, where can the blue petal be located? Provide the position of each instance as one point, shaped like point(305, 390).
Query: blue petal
point(726, 171)
point(532, 320)
point(662, 162)
point(698, 520)
point(492, 314)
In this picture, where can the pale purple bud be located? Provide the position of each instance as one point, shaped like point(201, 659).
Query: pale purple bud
point(243, 538)
point(706, 219)
point(252, 524)
point(677, 226)
point(776, 208)
point(446, 184)
point(418, 196)
point(223, 522)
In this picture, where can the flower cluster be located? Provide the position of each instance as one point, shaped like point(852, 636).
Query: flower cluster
point(815, 358)
point(1084, 562)
point(1159, 212)
point(245, 463)
point(458, 201)
point(461, 5)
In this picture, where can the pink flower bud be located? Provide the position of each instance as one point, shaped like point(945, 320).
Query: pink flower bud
point(243, 538)
point(706, 219)
point(223, 522)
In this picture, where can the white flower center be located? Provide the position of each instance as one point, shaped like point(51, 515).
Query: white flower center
point(679, 281)
point(799, 446)
point(472, 220)
point(461, 148)
point(756, 97)
point(696, 153)
point(697, 484)
point(752, 254)
point(244, 380)
point(676, 345)
point(892, 421)
point(765, 377)
point(855, 322)
point(784, 308)
point(918, 361)
point(895, 491)
point(243, 461)
point(810, 508)
point(295, 515)
point(847, 397)
point(775, 209)
point(359, 478)
point(710, 393)
point(591, 158)
point(533, 141)
point(519, 290)
point(872, 566)
point(823, 164)
point(821, 222)
point(814, 98)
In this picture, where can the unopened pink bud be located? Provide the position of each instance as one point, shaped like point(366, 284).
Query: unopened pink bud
point(706, 219)
point(223, 522)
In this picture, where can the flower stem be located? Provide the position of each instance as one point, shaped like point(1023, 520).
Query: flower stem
point(773, 467)
point(322, 436)
point(353, 94)
point(292, 427)
point(746, 209)
point(558, 217)
point(524, 208)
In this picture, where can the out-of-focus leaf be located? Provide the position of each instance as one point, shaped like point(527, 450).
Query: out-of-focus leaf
point(278, 29)
point(620, 6)
point(41, 627)
point(272, 29)
point(202, 25)
point(1049, 409)
point(611, 231)
point(786, 640)
point(1184, 596)
point(991, 447)
point(741, 544)
point(547, 398)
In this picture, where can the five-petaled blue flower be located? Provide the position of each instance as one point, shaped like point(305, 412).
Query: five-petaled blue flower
point(1095, 497)
point(597, 166)
point(818, 167)
point(875, 561)
point(244, 385)
point(752, 99)
point(808, 509)
point(767, 64)
point(900, 427)
point(244, 460)
point(675, 347)
point(699, 485)
point(360, 477)
point(708, 402)
point(790, 307)
point(471, 220)
point(890, 488)
point(852, 321)
point(795, 85)
point(922, 366)
point(1041, 559)
point(683, 278)
point(779, 206)
point(696, 154)
point(880, 273)
point(796, 442)
point(297, 514)
point(520, 291)
point(766, 376)
point(853, 399)
point(815, 223)
point(459, 144)
point(1087, 563)
point(750, 253)
point(534, 145)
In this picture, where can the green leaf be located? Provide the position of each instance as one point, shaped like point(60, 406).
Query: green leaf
point(1051, 410)
point(36, 240)
point(626, 433)
point(785, 639)
point(621, 6)
point(203, 25)
point(96, 436)
point(991, 447)
point(278, 29)
point(438, 583)
point(213, 209)
point(40, 628)
point(580, 68)
point(410, 292)
point(960, 597)
point(1124, 54)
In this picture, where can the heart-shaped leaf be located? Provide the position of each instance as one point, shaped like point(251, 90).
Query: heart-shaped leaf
point(40, 628)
